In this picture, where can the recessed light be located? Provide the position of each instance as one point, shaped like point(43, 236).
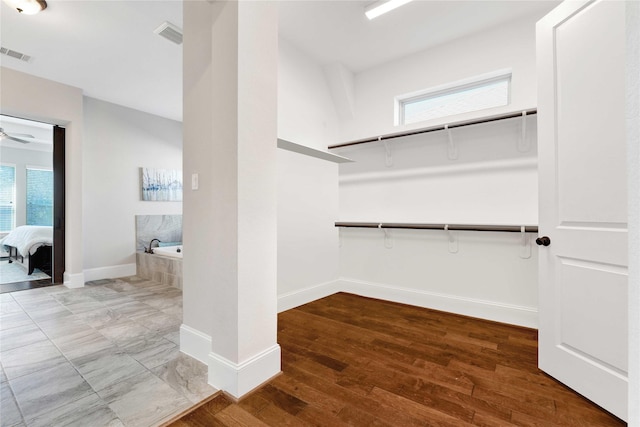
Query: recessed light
point(381, 7)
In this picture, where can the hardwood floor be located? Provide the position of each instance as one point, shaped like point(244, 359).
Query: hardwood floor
point(349, 360)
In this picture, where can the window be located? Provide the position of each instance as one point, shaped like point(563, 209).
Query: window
point(39, 197)
point(461, 97)
point(7, 197)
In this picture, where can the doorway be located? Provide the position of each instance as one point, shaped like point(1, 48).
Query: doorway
point(31, 204)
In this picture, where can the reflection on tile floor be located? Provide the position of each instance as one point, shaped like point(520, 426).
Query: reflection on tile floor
point(107, 354)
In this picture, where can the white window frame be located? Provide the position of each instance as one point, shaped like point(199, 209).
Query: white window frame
point(15, 213)
point(26, 181)
point(449, 88)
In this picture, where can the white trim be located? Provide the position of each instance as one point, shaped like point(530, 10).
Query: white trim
point(75, 280)
point(238, 379)
point(195, 343)
point(633, 194)
point(110, 272)
point(39, 168)
point(303, 296)
point(489, 310)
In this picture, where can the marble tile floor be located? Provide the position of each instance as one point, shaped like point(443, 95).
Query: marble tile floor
point(103, 355)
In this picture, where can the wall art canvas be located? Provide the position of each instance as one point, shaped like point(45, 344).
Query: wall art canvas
point(161, 185)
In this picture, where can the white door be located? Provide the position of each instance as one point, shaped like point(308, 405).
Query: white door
point(583, 200)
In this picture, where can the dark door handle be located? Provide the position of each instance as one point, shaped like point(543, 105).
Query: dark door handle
point(543, 241)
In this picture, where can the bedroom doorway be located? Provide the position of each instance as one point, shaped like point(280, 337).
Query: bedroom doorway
point(31, 204)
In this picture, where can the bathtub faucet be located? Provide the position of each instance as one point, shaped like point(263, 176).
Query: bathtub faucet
point(150, 250)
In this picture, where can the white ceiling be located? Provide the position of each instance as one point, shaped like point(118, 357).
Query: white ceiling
point(338, 31)
point(108, 48)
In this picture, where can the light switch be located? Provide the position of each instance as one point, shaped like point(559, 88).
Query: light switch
point(194, 181)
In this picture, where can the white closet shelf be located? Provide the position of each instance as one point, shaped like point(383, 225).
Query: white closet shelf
point(452, 125)
point(308, 151)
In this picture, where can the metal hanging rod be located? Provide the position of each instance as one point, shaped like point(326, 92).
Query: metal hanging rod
point(436, 128)
point(450, 227)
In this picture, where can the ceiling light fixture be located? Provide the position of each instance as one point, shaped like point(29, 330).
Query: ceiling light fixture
point(381, 7)
point(28, 7)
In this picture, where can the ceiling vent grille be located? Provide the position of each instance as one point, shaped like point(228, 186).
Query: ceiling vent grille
point(169, 32)
point(14, 54)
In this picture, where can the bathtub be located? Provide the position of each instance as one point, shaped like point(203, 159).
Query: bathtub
point(170, 251)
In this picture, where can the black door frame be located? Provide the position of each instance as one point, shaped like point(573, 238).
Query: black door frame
point(58, 204)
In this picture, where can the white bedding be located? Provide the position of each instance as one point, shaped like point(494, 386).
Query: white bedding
point(28, 238)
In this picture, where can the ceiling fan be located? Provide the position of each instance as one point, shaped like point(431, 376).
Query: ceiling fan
point(15, 137)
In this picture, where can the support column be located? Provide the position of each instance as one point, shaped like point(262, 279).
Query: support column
point(229, 221)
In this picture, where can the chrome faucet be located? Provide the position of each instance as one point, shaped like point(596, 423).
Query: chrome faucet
point(149, 250)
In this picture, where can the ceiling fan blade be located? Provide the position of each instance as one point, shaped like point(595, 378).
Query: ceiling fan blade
point(23, 141)
point(21, 135)
point(4, 135)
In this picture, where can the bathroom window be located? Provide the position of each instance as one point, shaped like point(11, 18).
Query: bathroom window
point(39, 196)
point(7, 197)
point(479, 93)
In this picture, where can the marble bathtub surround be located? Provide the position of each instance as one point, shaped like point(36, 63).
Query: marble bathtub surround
point(167, 228)
point(104, 355)
point(166, 270)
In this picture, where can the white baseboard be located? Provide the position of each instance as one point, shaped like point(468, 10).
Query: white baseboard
point(232, 378)
point(303, 296)
point(490, 310)
point(194, 343)
point(75, 280)
point(238, 379)
point(111, 272)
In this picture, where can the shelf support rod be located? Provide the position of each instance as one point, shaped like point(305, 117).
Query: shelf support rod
point(452, 148)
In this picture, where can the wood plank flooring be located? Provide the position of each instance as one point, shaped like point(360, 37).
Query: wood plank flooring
point(349, 360)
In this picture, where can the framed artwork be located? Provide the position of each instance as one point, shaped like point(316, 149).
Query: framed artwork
point(161, 185)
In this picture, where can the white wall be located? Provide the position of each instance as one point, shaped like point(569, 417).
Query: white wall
point(307, 186)
point(493, 181)
point(22, 158)
point(34, 98)
point(117, 142)
point(507, 46)
point(307, 239)
point(306, 114)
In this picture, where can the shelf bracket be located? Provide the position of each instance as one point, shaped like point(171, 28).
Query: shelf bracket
point(452, 148)
point(525, 248)
point(452, 239)
point(388, 156)
point(388, 238)
point(524, 144)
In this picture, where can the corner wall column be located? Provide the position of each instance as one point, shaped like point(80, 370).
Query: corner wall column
point(229, 221)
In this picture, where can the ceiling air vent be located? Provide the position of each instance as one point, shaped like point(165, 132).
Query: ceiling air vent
point(14, 54)
point(169, 32)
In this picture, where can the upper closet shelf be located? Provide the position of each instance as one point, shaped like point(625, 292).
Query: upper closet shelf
point(308, 151)
point(438, 128)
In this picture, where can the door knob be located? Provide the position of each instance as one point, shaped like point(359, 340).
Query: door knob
point(543, 241)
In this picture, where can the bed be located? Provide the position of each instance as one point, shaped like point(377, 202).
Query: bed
point(30, 245)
